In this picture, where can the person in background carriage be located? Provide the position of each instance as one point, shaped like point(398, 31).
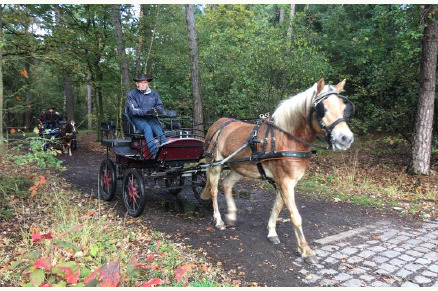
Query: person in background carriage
point(51, 119)
point(144, 105)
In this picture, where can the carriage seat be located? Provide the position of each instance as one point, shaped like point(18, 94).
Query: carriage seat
point(129, 128)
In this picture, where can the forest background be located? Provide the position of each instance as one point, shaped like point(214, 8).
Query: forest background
point(250, 57)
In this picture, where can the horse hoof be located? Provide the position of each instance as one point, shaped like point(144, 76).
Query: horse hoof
point(231, 222)
point(311, 260)
point(220, 226)
point(274, 239)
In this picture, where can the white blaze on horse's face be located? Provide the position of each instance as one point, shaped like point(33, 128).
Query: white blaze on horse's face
point(341, 135)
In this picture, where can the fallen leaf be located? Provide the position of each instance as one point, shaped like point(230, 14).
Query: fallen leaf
point(42, 263)
point(153, 282)
point(110, 275)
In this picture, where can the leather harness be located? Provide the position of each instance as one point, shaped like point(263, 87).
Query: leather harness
point(259, 156)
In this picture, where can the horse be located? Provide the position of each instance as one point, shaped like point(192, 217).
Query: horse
point(67, 136)
point(277, 149)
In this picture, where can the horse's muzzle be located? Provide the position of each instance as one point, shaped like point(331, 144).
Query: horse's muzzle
point(342, 139)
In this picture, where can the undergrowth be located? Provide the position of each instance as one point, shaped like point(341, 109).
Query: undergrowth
point(54, 236)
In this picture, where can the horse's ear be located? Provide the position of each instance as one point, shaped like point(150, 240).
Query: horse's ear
point(320, 86)
point(340, 86)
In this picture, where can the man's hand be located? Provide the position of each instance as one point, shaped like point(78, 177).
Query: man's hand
point(152, 111)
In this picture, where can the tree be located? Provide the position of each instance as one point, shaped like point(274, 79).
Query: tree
point(123, 62)
point(2, 140)
point(194, 69)
point(421, 148)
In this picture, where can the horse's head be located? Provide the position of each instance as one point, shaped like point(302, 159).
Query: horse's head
point(331, 113)
point(69, 128)
point(73, 126)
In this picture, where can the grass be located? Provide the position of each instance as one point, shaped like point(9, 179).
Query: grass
point(86, 235)
point(350, 179)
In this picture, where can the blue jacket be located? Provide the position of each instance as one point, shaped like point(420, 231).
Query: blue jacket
point(139, 103)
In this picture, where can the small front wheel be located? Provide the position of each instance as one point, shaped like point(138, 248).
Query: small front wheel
point(107, 180)
point(134, 195)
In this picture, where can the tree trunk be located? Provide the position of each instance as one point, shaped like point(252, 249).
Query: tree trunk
point(421, 148)
point(69, 100)
point(68, 91)
point(2, 140)
point(281, 19)
point(291, 21)
point(194, 69)
point(123, 62)
point(27, 114)
point(89, 103)
point(139, 41)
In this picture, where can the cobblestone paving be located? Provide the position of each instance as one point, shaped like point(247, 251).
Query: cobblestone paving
point(376, 256)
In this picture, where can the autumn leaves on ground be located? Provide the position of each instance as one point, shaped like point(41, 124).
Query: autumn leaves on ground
point(52, 235)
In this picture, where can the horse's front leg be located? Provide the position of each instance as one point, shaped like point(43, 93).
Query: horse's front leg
point(228, 183)
point(213, 176)
point(276, 209)
point(287, 190)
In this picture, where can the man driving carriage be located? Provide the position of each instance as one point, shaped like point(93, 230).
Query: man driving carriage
point(50, 119)
point(144, 105)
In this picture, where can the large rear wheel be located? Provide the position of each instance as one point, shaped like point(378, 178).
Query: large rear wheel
point(134, 195)
point(198, 183)
point(107, 180)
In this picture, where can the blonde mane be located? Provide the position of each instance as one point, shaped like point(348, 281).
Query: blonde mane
point(292, 112)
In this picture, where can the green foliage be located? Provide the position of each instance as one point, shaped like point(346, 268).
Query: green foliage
point(247, 63)
point(36, 154)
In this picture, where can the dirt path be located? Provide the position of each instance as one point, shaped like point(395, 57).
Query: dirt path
point(243, 251)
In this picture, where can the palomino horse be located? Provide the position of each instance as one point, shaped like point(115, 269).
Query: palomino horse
point(67, 136)
point(286, 141)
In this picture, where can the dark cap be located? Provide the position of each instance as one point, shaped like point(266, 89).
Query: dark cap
point(142, 77)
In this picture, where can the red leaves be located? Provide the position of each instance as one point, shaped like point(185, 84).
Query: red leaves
point(110, 275)
point(23, 72)
point(153, 282)
point(181, 270)
point(36, 237)
point(42, 263)
point(72, 276)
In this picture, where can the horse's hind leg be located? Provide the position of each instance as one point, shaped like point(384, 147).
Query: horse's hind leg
point(213, 176)
point(228, 184)
point(276, 209)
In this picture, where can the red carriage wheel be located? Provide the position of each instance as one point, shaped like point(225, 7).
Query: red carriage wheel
point(134, 195)
point(107, 180)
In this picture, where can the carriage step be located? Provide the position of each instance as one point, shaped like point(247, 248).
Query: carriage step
point(116, 142)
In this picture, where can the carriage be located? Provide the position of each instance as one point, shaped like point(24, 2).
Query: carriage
point(276, 149)
point(175, 164)
point(54, 135)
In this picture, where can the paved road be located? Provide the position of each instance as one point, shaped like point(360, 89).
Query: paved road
point(381, 255)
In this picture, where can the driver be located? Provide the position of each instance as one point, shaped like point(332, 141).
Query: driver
point(51, 119)
point(144, 106)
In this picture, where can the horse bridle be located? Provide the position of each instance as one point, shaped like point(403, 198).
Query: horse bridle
point(318, 110)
